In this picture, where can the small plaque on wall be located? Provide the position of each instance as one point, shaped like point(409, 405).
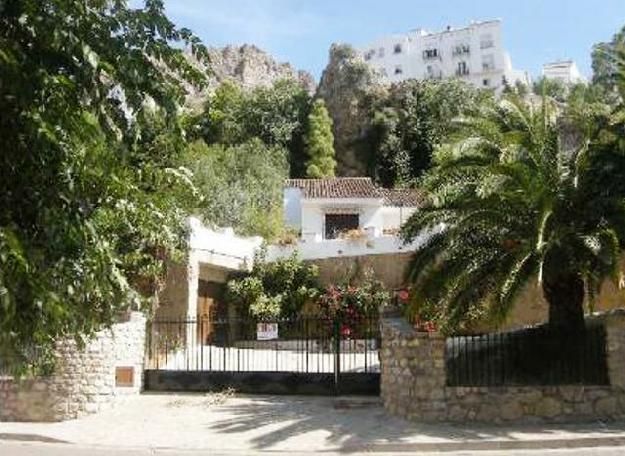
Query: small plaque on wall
point(266, 331)
point(124, 376)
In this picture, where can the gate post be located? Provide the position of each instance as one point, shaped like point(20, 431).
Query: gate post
point(337, 354)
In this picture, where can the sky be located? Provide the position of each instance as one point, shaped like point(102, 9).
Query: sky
point(301, 31)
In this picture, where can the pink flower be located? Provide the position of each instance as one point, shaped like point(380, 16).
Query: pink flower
point(403, 295)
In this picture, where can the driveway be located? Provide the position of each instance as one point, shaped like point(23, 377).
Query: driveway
point(240, 424)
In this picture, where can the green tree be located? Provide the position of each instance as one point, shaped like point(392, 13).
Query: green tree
point(91, 198)
point(524, 193)
point(319, 142)
point(552, 88)
point(412, 119)
point(605, 61)
point(241, 185)
point(274, 114)
point(225, 119)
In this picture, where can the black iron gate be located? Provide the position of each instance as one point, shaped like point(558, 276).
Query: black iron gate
point(286, 356)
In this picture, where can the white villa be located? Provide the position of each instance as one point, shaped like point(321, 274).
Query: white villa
point(335, 218)
point(322, 209)
point(474, 53)
point(345, 216)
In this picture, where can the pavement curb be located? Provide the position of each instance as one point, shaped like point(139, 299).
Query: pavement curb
point(488, 445)
point(425, 447)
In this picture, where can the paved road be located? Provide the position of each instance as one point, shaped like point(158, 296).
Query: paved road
point(47, 449)
point(224, 424)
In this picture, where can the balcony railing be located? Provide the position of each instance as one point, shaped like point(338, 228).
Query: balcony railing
point(431, 55)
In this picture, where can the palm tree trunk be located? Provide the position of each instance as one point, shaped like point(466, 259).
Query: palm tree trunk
point(565, 295)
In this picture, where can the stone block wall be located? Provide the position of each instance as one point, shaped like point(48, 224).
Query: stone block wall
point(413, 384)
point(83, 381)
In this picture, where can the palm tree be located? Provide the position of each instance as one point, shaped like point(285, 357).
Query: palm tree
point(527, 191)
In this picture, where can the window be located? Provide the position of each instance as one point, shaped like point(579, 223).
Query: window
point(339, 223)
point(433, 73)
point(486, 41)
point(430, 53)
point(398, 69)
point(460, 49)
point(369, 54)
point(463, 69)
point(381, 52)
point(488, 62)
point(397, 49)
point(486, 82)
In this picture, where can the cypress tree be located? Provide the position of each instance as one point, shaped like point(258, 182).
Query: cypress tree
point(320, 142)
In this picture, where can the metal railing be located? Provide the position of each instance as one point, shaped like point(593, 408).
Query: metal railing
point(304, 345)
point(533, 356)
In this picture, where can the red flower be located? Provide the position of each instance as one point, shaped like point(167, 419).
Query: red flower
point(403, 295)
point(346, 331)
point(430, 326)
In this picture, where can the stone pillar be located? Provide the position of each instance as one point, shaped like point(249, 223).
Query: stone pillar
point(84, 380)
point(615, 347)
point(412, 381)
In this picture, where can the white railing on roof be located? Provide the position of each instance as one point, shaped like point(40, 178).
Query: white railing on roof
point(330, 248)
point(222, 248)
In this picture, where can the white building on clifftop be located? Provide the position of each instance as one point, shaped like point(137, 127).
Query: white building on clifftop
point(473, 53)
point(565, 71)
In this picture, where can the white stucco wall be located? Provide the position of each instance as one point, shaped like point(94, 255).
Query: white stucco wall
point(394, 217)
point(314, 211)
point(221, 248)
point(487, 60)
point(565, 71)
point(218, 249)
point(292, 207)
point(331, 248)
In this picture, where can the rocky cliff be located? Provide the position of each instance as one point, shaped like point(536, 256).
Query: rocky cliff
point(250, 67)
point(347, 86)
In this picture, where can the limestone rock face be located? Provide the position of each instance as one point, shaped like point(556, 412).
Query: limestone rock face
point(250, 67)
point(347, 85)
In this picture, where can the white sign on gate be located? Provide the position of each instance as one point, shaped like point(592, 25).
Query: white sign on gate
point(266, 331)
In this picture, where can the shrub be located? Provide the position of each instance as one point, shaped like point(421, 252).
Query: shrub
point(279, 289)
point(353, 302)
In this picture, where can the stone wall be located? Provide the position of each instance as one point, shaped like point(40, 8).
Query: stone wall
point(390, 269)
point(413, 384)
point(531, 308)
point(84, 381)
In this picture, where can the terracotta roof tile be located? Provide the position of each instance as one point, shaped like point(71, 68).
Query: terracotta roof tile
point(356, 187)
point(403, 197)
point(338, 187)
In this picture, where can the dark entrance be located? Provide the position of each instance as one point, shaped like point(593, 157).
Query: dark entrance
point(287, 356)
point(339, 223)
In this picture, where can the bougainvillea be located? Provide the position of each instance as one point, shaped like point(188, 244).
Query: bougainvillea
point(350, 301)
